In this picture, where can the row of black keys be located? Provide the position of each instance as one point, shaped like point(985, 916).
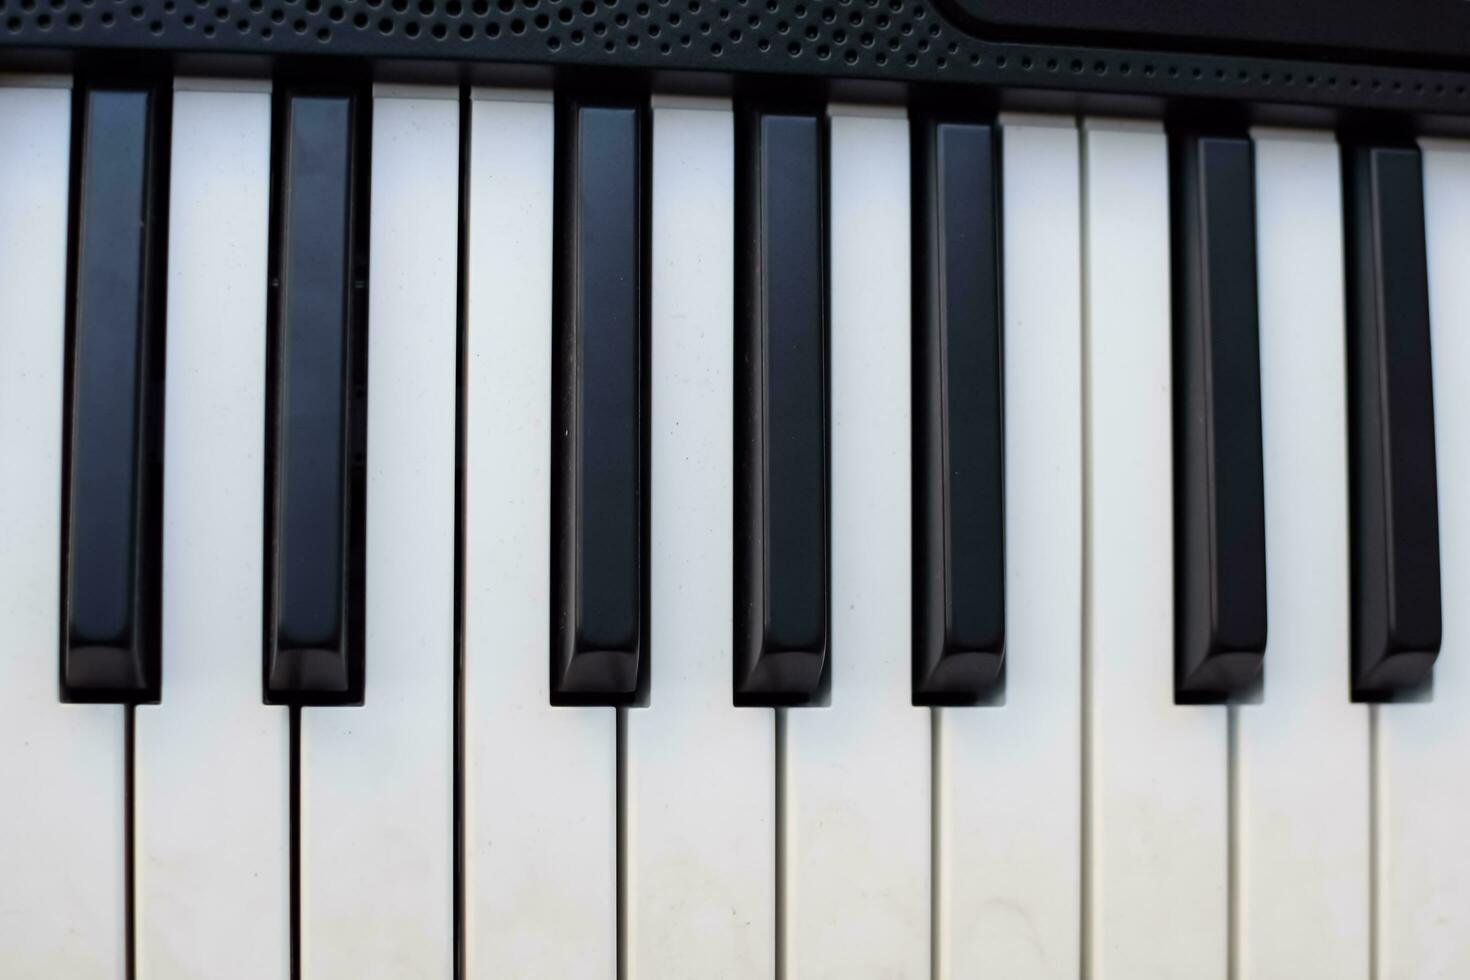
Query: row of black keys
point(314, 487)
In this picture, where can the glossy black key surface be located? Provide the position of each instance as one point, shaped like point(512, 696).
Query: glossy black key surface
point(959, 493)
point(1395, 513)
point(111, 584)
point(1219, 493)
point(599, 555)
point(313, 642)
point(781, 504)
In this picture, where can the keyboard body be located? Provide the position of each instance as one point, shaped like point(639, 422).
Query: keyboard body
point(656, 489)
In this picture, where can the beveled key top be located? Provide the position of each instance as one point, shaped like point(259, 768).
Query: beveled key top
point(781, 504)
point(959, 438)
point(314, 649)
point(1395, 511)
point(110, 648)
point(1219, 493)
point(599, 422)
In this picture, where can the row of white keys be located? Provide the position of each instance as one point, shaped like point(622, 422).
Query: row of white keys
point(1422, 777)
point(540, 791)
point(1008, 796)
point(377, 782)
point(1348, 856)
point(1158, 833)
point(1016, 801)
point(1301, 807)
point(62, 824)
point(1302, 835)
point(700, 774)
point(211, 840)
point(1313, 807)
point(857, 774)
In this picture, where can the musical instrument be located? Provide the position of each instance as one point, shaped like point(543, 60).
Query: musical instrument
point(734, 488)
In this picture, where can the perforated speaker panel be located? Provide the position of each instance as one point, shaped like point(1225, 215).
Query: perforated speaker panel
point(903, 40)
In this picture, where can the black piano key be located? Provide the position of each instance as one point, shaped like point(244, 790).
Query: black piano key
point(110, 646)
point(599, 609)
point(959, 495)
point(1219, 492)
point(781, 504)
point(1395, 513)
point(313, 645)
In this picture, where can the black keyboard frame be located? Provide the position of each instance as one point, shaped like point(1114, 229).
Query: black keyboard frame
point(814, 48)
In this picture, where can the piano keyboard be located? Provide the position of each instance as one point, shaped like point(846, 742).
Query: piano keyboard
point(482, 532)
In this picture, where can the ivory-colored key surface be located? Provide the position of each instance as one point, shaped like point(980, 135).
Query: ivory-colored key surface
point(61, 836)
point(699, 894)
point(61, 831)
point(539, 782)
point(1301, 749)
point(1156, 836)
point(1009, 802)
point(377, 782)
point(857, 773)
point(211, 840)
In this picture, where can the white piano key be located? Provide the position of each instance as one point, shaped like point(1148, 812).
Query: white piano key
point(377, 781)
point(857, 773)
point(700, 845)
point(1301, 753)
point(1422, 781)
point(1156, 837)
point(62, 832)
point(540, 786)
point(1010, 775)
point(211, 841)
